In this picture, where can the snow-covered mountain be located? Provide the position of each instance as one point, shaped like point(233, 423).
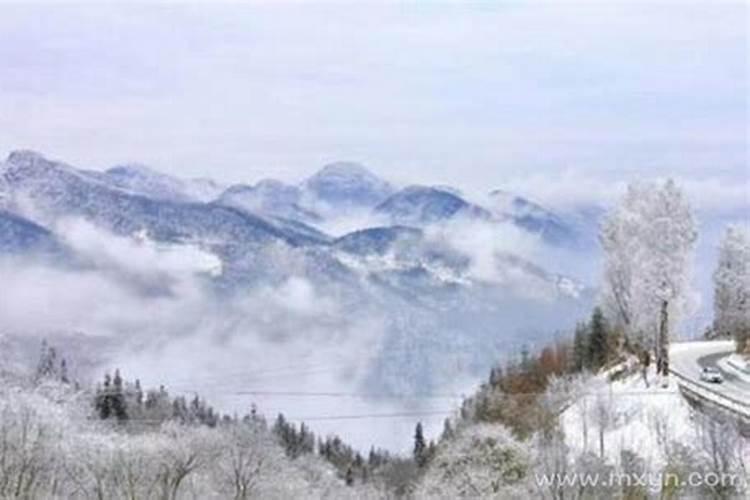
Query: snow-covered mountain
point(346, 185)
point(419, 205)
point(534, 218)
point(377, 240)
point(50, 189)
point(143, 180)
point(269, 196)
point(423, 292)
point(246, 219)
point(22, 236)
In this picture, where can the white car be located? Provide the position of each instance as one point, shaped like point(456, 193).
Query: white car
point(710, 374)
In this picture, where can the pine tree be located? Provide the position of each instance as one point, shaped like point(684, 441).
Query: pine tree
point(138, 393)
point(47, 366)
point(420, 446)
point(496, 376)
point(525, 359)
point(103, 402)
point(599, 340)
point(581, 358)
point(117, 398)
point(64, 372)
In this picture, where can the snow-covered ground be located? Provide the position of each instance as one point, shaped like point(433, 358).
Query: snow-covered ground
point(626, 415)
point(629, 416)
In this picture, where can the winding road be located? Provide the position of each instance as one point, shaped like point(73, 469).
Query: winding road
point(689, 358)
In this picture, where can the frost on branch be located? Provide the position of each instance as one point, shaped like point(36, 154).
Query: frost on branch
point(482, 461)
point(732, 287)
point(648, 242)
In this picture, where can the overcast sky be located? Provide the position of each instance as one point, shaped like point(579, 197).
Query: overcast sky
point(511, 94)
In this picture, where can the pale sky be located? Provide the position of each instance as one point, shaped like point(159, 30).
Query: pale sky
point(479, 96)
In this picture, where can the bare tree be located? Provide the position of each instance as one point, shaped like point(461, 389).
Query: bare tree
point(723, 449)
point(26, 457)
point(603, 417)
point(249, 453)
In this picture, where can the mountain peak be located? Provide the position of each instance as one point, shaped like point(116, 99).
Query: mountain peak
point(511, 204)
point(25, 157)
point(133, 169)
point(348, 182)
point(24, 163)
point(345, 168)
point(425, 204)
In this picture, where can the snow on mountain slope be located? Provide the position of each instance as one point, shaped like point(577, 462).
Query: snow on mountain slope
point(419, 205)
point(53, 190)
point(49, 190)
point(22, 236)
point(143, 180)
point(271, 197)
point(345, 185)
point(377, 240)
point(533, 217)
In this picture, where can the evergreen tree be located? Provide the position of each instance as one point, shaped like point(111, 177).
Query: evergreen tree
point(599, 339)
point(420, 446)
point(47, 366)
point(138, 393)
point(581, 358)
point(64, 372)
point(117, 398)
point(496, 376)
point(103, 406)
point(525, 359)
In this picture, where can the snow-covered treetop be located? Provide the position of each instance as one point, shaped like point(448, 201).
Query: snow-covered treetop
point(648, 242)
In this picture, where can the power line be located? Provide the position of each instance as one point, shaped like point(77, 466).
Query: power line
point(372, 416)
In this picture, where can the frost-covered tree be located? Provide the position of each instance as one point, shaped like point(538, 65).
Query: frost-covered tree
point(25, 452)
point(249, 455)
point(551, 458)
point(483, 461)
point(732, 286)
point(722, 451)
point(648, 242)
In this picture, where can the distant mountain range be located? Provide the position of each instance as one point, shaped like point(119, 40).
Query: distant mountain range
point(335, 190)
point(395, 266)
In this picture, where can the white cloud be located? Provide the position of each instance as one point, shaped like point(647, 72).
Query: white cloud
point(717, 193)
point(463, 94)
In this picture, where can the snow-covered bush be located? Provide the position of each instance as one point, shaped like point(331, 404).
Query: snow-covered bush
point(482, 461)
